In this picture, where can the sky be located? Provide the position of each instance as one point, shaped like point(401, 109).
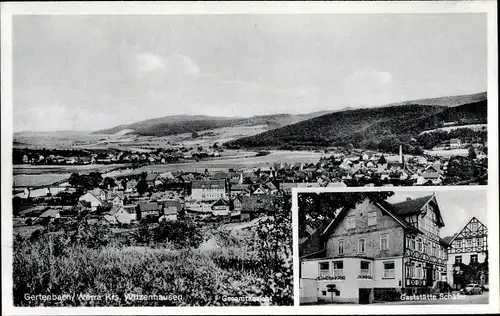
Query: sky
point(457, 207)
point(93, 72)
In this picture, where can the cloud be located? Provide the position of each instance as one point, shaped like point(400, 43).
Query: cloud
point(370, 77)
point(183, 66)
point(147, 62)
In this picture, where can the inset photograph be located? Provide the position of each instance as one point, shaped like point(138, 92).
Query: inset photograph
point(425, 246)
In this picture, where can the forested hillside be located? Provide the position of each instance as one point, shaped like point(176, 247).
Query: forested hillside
point(171, 125)
point(376, 128)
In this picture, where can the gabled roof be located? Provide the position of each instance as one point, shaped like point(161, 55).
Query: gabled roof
point(115, 209)
point(416, 205)
point(382, 205)
point(148, 206)
point(97, 192)
point(208, 184)
point(50, 213)
point(169, 204)
point(113, 195)
point(270, 185)
point(239, 187)
point(94, 194)
point(464, 228)
point(394, 213)
point(221, 202)
point(220, 175)
point(411, 206)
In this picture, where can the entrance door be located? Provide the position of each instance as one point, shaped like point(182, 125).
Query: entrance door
point(430, 272)
point(364, 296)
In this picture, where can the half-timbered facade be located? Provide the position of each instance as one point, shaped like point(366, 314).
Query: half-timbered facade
point(425, 253)
point(374, 249)
point(469, 246)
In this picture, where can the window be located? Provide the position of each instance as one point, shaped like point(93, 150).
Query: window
point(458, 259)
point(479, 242)
point(412, 244)
point(384, 242)
point(341, 246)
point(474, 227)
point(473, 258)
point(434, 252)
point(361, 245)
point(419, 244)
point(351, 222)
point(364, 267)
point(324, 268)
point(468, 242)
point(440, 253)
point(419, 271)
point(459, 244)
point(338, 268)
point(389, 270)
point(372, 218)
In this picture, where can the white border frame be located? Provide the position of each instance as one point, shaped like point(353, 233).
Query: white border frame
point(492, 221)
point(157, 8)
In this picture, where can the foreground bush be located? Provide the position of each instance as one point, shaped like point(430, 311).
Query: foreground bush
point(40, 268)
point(82, 260)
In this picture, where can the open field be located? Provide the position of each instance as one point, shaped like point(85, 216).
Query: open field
point(31, 175)
point(475, 127)
point(219, 135)
point(448, 153)
point(250, 162)
point(131, 142)
point(54, 169)
point(33, 180)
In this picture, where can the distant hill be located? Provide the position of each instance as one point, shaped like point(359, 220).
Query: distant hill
point(51, 133)
point(449, 101)
point(171, 125)
point(380, 127)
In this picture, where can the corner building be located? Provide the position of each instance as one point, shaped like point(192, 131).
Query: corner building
point(376, 251)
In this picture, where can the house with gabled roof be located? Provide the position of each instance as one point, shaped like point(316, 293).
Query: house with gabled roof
point(467, 247)
point(373, 248)
point(221, 207)
point(50, 214)
point(95, 198)
point(116, 198)
point(259, 190)
point(147, 209)
point(430, 175)
point(170, 210)
point(119, 215)
point(240, 189)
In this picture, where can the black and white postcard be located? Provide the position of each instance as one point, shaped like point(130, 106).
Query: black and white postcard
point(394, 247)
point(166, 157)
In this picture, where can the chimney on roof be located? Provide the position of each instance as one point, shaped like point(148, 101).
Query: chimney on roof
point(408, 198)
